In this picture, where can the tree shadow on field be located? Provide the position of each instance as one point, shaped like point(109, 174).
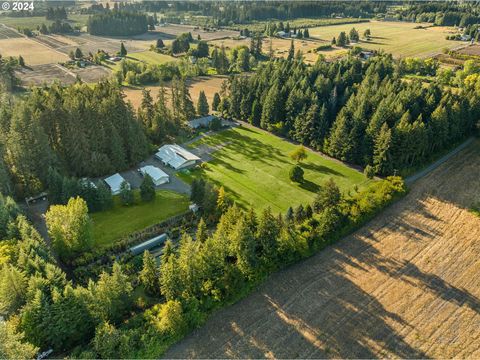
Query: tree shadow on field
point(321, 169)
point(310, 186)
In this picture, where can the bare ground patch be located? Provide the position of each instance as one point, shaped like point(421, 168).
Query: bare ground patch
point(405, 285)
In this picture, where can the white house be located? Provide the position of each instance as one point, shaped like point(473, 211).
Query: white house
point(114, 182)
point(176, 157)
point(282, 34)
point(158, 176)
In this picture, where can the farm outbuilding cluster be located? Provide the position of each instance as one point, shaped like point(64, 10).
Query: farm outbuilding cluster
point(176, 157)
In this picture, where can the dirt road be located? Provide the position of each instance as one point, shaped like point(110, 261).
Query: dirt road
point(405, 285)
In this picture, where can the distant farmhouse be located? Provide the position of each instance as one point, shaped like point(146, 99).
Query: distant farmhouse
point(176, 157)
point(158, 176)
point(114, 182)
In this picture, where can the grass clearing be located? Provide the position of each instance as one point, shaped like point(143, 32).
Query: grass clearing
point(32, 22)
point(399, 38)
point(253, 166)
point(121, 221)
point(151, 57)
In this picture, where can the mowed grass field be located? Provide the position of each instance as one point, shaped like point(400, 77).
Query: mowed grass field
point(399, 38)
point(253, 167)
point(120, 221)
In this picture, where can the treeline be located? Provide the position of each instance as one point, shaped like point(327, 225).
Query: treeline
point(44, 310)
point(117, 23)
point(79, 130)
point(362, 113)
point(441, 13)
point(56, 13)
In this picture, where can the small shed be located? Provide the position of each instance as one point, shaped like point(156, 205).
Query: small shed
point(114, 182)
point(149, 244)
point(158, 176)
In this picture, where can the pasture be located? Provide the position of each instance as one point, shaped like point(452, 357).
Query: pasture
point(253, 165)
point(151, 57)
point(121, 221)
point(406, 285)
point(399, 38)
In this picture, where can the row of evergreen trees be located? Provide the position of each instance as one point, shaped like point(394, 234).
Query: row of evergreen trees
point(80, 130)
point(362, 113)
point(117, 23)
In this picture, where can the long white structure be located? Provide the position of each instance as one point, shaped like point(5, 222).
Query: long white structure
point(158, 176)
point(176, 157)
point(114, 182)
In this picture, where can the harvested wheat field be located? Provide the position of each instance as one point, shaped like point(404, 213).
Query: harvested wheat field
point(405, 285)
point(33, 52)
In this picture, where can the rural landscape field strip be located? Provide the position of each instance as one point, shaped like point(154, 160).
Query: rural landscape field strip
point(405, 285)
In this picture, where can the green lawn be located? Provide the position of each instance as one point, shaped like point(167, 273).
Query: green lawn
point(120, 221)
point(253, 167)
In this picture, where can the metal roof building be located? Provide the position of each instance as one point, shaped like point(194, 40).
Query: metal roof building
point(114, 182)
point(201, 122)
point(149, 244)
point(158, 176)
point(176, 156)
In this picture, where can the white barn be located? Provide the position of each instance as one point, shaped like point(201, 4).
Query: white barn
point(158, 176)
point(114, 182)
point(176, 157)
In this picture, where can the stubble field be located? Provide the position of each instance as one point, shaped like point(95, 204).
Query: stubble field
point(405, 285)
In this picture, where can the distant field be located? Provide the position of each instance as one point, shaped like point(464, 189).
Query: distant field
point(33, 21)
point(398, 38)
point(33, 52)
point(299, 23)
point(253, 167)
point(209, 84)
point(121, 221)
point(151, 57)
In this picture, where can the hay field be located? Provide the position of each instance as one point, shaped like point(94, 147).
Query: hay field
point(406, 285)
point(209, 84)
point(398, 38)
point(33, 52)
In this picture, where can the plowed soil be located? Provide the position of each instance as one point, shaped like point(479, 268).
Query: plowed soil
point(405, 285)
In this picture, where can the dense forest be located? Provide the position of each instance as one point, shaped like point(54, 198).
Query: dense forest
point(360, 112)
point(80, 130)
point(117, 23)
point(441, 13)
